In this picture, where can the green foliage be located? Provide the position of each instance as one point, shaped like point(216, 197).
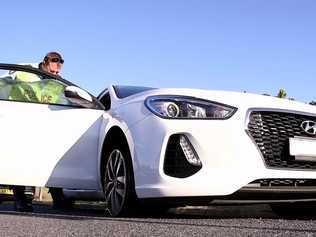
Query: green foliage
point(281, 94)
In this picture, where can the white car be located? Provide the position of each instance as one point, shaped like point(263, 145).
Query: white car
point(175, 146)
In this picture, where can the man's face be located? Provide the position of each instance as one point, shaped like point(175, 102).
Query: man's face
point(54, 66)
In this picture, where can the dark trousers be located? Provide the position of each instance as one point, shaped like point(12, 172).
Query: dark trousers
point(23, 193)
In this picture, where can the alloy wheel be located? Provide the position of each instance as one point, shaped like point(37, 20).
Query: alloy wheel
point(115, 182)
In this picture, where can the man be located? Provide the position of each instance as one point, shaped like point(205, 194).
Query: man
point(51, 63)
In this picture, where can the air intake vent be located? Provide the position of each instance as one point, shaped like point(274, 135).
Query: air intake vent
point(176, 163)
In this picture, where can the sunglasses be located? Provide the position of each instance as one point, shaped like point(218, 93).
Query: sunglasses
point(57, 60)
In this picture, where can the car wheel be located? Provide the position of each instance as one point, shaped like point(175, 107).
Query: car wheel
point(118, 182)
point(59, 200)
point(294, 210)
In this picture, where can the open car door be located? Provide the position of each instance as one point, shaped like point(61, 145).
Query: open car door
point(46, 139)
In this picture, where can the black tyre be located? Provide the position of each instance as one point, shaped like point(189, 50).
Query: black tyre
point(118, 182)
point(294, 210)
point(59, 200)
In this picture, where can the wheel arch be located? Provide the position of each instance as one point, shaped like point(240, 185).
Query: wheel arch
point(115, 135)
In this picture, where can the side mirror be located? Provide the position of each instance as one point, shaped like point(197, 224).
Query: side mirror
point(79, 96)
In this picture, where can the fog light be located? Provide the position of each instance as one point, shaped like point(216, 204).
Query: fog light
point(189, 152)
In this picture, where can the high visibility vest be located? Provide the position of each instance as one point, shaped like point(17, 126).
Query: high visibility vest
point(46, 91)
point(29, 87)
point(26, 76)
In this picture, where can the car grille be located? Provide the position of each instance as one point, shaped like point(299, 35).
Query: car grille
point(285, 182)
point(271, 132)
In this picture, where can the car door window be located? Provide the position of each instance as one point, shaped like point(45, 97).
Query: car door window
point(29, 87)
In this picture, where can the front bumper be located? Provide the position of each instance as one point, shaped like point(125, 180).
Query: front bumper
point(231, 160)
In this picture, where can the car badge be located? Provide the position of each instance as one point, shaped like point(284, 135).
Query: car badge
point(309, 127)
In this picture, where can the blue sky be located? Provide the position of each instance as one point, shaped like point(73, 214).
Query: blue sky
point(257, 46)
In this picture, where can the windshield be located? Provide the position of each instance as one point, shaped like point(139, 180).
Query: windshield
point(125, 91)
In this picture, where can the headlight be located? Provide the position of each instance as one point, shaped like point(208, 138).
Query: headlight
point(182, 107)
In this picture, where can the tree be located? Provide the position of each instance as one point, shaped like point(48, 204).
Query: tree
point(281, 94)
point(312, 102)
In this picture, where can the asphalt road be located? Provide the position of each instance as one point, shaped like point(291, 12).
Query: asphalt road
point(90, 220)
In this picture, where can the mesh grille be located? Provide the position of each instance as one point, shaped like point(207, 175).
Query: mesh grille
point(286, 182)
point(271, 132)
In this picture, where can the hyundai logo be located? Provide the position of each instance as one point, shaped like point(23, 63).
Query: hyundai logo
point(309, 127)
